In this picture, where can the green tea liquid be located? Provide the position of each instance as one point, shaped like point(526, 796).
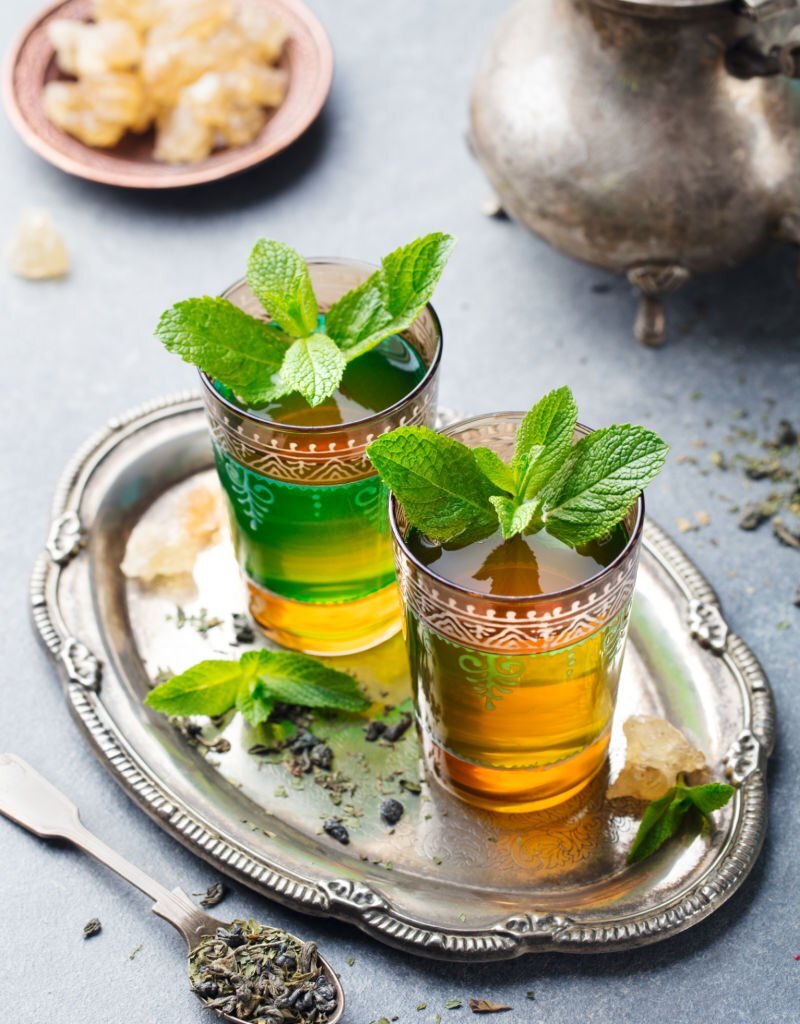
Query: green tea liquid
point(517, 731)
point(316, 553)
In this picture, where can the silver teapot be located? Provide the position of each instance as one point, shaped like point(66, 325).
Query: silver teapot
point(658, 138)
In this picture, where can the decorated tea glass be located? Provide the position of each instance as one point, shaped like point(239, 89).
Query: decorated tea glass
point(514, 696)
point(309, 515)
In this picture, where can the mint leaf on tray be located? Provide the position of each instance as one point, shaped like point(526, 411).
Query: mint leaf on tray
point(665, 816)
point(254, 684)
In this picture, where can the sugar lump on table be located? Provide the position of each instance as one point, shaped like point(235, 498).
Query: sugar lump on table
point(37, 250)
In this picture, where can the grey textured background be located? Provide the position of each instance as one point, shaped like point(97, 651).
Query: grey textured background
point(387, 161)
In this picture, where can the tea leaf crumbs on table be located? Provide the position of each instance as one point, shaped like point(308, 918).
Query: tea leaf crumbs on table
point(213, 895)
point(132, 955)
point(92, 927)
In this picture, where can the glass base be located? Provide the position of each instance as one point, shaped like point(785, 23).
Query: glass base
point(344, 627)
point(516, 790)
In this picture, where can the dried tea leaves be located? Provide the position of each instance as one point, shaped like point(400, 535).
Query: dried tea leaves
point(92, 927)
point(262, 974)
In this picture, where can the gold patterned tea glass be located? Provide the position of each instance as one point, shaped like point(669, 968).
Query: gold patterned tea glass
point(514, 696)
point(309, 515)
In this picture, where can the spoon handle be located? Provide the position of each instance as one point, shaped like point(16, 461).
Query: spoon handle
point(27, 798)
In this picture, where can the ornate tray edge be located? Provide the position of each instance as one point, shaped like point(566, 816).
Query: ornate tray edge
point(370, 910)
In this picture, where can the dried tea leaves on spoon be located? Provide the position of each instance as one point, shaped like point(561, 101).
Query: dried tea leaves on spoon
point(263, 975)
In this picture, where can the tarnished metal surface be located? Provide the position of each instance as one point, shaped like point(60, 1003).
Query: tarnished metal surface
point(653, 139)
point(447, 882)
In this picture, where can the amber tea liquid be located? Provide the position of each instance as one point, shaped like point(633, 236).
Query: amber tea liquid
point(516, 731)
point(318, 558)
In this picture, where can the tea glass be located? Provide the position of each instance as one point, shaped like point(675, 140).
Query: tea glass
point(308, 513)
point(514, 696)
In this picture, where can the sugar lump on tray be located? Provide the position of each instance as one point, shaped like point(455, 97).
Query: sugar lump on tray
point(168, 540)
point(37, 250)
point(656, 754)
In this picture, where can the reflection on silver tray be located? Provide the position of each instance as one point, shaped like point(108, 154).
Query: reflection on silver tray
point(448, 881)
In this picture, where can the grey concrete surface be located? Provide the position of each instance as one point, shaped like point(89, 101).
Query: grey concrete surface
point(386, 161)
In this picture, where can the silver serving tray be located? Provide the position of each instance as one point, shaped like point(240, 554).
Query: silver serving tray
point(448, 881)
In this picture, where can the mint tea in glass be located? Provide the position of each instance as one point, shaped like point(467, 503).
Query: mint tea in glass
point(307, 510)
point(515, 648)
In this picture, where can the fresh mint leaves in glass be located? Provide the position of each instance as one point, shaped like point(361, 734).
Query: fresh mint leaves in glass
point(517, 543)
point(304, 364)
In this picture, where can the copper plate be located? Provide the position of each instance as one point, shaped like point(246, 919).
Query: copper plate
point(31, 62)
point(448, 881)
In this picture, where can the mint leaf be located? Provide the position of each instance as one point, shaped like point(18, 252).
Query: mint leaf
point(437, 481)
point(494, 469)
point(660, 822)
point(602, 477)
point(314, 367)
point(254, 684)
point(208, 688)
point(513, 518)
point(709, 797)
point(544, 440)
point(281, 282)
point(241, 352)
point(392, 298)
point(299, 679)
point(253, 703)
point(664, 817)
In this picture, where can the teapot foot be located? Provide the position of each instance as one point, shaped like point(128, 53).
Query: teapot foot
point(654, 281)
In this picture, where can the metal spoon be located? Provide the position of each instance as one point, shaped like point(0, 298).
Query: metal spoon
point(31, 801)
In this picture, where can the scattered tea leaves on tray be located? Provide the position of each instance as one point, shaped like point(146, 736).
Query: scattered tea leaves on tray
point(391, 811)
point(213, 895)
point(392, 733)
point(453, 1004)
point(257, 973)
point(664, 817)
point(243, 629)
point(336, 830)
point(92, 927)
point(487, 1006)
point(134, 953)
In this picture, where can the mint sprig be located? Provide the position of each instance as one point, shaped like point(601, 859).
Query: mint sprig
point(438, 481)
point(298, 350)
point(577, 492)
point(664, 817)
point(254, 684)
